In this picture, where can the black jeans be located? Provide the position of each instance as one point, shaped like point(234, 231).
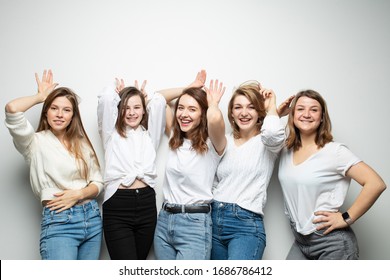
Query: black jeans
point(129, 221)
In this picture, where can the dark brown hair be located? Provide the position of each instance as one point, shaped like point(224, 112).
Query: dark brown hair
point(125, 94)
point(199, 134)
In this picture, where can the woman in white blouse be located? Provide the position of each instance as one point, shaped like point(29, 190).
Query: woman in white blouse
point(64, 171)
point(315, 174)
point(131, 133)
point(196, 146)
point(243, 175)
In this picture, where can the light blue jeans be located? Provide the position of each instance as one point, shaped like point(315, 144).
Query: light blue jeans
point(238, 234)
point(183, 236)
point(340, 244)
point(73, 234)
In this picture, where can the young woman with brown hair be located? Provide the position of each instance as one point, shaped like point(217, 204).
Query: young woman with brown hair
point(64, 171)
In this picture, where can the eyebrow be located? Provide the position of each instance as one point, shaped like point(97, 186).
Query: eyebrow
point(66, 107)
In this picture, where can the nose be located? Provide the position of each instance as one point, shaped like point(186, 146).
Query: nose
point(184, 113)
point(59, 113)
point(131, 112)
point(306, 114)
point(244, 112)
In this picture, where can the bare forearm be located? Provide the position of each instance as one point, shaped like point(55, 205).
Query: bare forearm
point(272, 111)
point(216, 128)
point(91, 191)
point(22, 104)
point(366, 199)
point(171, 93)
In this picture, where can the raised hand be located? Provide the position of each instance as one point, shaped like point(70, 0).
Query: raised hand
point(284, 108)
point(269, 99)
point(199, 80)
point(120, 84)
point(46, 85)
point(142, 88)
point(215, 92)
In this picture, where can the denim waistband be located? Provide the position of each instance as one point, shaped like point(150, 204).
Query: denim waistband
point(91, 205)
point(234, 207)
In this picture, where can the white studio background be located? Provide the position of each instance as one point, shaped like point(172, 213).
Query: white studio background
point(339, 48)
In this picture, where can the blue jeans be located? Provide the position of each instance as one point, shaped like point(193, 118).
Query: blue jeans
point(238, 234)
point(340, 244)
point(73, 234)
point(183, 236)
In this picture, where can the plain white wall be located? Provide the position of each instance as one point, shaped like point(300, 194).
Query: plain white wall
point(339, 48)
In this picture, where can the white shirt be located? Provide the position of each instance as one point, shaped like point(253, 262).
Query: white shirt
point(52, 168)
point(133, 157)
point(244, 172)
point(318, 183)
point(188, 175)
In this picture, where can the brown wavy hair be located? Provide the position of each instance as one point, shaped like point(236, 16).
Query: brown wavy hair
point(324, 131)
point(199, 134)
point(75, 134)
point(251, 90)
point(125, 94)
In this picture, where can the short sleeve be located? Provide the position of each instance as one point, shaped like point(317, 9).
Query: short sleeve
point(345, 159)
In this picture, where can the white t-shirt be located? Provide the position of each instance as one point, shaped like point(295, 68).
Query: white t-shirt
point(318, 183)
point(188, 175)
point(133, 157)
point(244, 172)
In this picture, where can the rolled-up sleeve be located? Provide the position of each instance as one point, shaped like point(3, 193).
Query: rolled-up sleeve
point(273, 133)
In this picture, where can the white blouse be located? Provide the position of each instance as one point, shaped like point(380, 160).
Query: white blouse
point(133, 157)
point(317, 184)
point(244, 172)
point(52, 168)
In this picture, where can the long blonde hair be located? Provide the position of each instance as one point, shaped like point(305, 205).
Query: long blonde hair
point(75, 134)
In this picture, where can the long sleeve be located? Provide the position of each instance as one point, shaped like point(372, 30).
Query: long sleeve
point(21, 131)
point(107, 112)
point(156, 121)
point(95, 175)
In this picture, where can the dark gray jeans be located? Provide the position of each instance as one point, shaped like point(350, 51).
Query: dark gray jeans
point(340, 244)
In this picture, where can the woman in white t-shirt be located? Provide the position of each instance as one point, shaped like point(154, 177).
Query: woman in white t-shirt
point(197, 143)
point(131, 129)
point(64, 171)
point(315, 175)
point(243, 175)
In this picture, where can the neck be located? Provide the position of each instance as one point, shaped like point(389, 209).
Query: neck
point(308, 140)
point(248, 134)
point(61, 137)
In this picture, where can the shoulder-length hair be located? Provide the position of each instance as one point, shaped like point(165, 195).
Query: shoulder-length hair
point(75, 134)
point(125, 94)
point(251, 90)
point(199, 134)
point(324, 131)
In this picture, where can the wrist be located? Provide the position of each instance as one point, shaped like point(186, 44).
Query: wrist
point(347, 218)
